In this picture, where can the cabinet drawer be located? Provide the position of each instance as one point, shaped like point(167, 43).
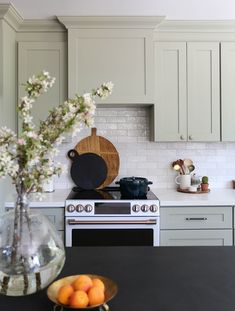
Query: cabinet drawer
point(203, 217)
point(196, 237)
point(55, 215)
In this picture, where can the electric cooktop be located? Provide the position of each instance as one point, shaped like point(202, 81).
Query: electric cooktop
point(108, 193)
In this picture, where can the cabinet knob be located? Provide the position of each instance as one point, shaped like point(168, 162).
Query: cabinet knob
point(181, 137)
point(190, 137)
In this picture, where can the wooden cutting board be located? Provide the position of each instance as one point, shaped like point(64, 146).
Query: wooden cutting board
point(104, 148)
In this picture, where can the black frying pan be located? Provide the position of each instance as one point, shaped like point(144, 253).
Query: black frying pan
point(88, 170)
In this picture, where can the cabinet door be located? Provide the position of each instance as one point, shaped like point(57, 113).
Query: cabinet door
point(34, 57)
point(196, 237)
point(228, 90)
point(197, 217)
point(55, 215)
point(123, 56)
point(203, 91)
point(170, 91)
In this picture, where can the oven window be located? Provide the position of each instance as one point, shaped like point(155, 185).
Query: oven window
point(112, 237)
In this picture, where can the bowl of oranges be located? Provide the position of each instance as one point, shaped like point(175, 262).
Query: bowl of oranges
point(83, 291)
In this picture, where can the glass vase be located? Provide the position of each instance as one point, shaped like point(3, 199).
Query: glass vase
point(31, 251)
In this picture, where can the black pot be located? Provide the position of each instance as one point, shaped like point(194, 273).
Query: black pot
point(134, 187)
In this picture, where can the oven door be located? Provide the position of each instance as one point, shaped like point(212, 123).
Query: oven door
point(112, 231)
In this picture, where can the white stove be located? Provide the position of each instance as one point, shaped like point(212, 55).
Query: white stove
point(104, 218)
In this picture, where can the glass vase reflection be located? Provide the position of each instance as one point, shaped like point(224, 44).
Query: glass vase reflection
point(31, 251)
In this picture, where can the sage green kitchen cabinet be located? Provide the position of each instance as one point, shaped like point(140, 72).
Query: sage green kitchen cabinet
point(196, 226)
point(123, 56)
point(196, 238)
point(187, 91)
point(34, 57)
point(228, 90)
point(55, 215)
point(170, 89)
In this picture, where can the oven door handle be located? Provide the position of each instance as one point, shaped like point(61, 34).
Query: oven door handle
point(72, 222)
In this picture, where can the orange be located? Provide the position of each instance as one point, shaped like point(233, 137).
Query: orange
point(83, 282)
point(96, 296)
point(98, 283)
point(64, 294)
point(79, 299)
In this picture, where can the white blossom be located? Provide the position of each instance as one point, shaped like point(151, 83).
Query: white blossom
point(28, 119)
point(59, 140)
point(46, 73)
point(21, 142)
point(105, 90)
point(29, 158)
point(32, 134)
point(34, 161)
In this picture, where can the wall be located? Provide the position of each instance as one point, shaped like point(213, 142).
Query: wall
point(128, 130)
point(180, 9)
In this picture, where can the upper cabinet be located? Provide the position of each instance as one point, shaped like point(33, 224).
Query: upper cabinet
point(34, 57)
point(170, 89)
point(116, 49)
point(228, 90)
point(203, 94)
point(176, 67)
point(187, 91)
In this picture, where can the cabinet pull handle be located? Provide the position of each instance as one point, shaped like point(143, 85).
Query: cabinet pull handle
point(182, 137)
point(190, 137)
point(196, 218)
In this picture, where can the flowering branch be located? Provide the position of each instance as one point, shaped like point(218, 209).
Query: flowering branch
point(28, 159)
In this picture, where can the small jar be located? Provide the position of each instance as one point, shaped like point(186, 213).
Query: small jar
point(48, 185)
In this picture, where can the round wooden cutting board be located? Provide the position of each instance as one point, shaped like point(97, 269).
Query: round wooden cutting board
point(104, 148)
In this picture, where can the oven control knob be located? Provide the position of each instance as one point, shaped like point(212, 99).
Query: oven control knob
point(79, 208)
point(88, 208)
point(144, 208)
point(136, 208)
point(153, 208)
point(70, 208)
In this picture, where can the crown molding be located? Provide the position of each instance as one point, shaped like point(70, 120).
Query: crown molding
point(199, 26)
point(10, 15)
point(148, 22)
point(41, 25)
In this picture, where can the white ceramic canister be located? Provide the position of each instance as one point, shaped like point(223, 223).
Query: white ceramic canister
point(48, 185)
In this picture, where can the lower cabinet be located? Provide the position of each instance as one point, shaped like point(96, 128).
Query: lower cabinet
point(196, 237)
point(55, 216)
point(196, 226)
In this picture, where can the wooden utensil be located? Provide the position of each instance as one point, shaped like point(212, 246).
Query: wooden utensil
point(178, 165)
point(104, 148)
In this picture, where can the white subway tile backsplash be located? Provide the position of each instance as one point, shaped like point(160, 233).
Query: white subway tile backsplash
point(127, 139)
point(128, 129)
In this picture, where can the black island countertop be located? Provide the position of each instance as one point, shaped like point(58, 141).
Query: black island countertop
point(150, 278)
